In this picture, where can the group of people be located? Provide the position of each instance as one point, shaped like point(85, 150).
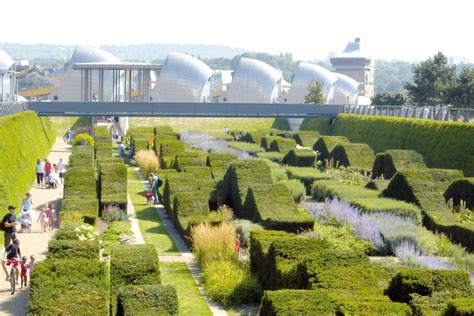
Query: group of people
point(47, 217)
point(50, 175)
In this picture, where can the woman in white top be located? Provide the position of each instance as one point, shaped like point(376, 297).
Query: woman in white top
point(39, 172)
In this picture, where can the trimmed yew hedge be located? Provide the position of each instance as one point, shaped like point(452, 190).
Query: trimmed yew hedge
point(139, 142)
point(189, 158)
point(88, 208)
point(147, 300)
point(82, 156)
point(307, 176)
point(325, 144)
point(72, 249)
point(254, 137)
point(250, 148)
point(189, 208)
point(169, 148)
point(391, 161)
point(272, 156)
point(266, 141)
point(460, 307)
point(461, 189)
point(356, 156)
point(300, 158)
point(424, 188)
point(272, 205)
point(282, 145)
point(219, 162)
point(113, 185)
point(306, 138)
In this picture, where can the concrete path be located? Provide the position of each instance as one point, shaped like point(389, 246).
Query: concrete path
point(34, 243)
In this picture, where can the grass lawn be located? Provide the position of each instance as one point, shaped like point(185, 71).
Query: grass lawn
point(153, 230)
point(189, 298)
point(61, 124)
point(203, 124)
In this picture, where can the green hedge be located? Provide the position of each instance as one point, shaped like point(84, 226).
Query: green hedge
point(219, 162)
point(147, 300)
point(168, 150)
point(424, 188)
point(250, 148)
point(272, 205)
point(82, 156)
point(300, 158)
point(113, 185)
point(306, 138)
point(442, 144)
point(357, 307)
point(139, 142)
point(254, 137)
point(240, 175)
point(69, 287)
point(389, 162)
point(24, 137)
point(189, 208)
point(307, 176)
point(365, 199)
point(282, 145)
point(145, 131)
point(102, 142)
point(162, 129)
point(71, 249)
point(426, 282)
point(158, 139)
point(356, 156)
point(266, 141)
point(272, 156)
point(325, 144)
point(460, 307)
point(79, 183)
point(461, 189)
point(132, 265)
point(189, 158)
point(88, 208)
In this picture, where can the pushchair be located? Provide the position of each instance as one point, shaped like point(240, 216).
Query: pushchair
point(52, 182)
point(25, 221)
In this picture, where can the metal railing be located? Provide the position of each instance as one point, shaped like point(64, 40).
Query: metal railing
point(437, 113)
point(7, 108)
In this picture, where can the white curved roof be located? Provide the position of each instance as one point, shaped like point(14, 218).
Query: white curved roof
point(254, 82)
point(86, 54)
point(5, 61)
point(304, 74)
point(346, 89)
point(183, 79)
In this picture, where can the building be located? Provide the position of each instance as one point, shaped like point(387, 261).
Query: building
point(8, 78)
point(356, 64)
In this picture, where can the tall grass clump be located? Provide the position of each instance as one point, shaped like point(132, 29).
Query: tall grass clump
point(212, 243)
point(296, 188)
point(147, 161)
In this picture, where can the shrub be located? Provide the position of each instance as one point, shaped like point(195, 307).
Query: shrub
point(266, 141)
point(82, 156)
point(282, 145)
point(87, 208)
point(389, 162)
point(229, 283)
point(71, 249)
point(274, 208)
point(271, 155)
point(162, 129)
point(132, 265)
point(356, 307)
point(170, 147)
point(113, 185)
point(425, 282)
point(424, 188)
point(189, 208)
point(460, 307)
point(147, 161)
point(254, 137)
point(296, 188)
point(219, 162)
point(189, 158)
point(307, 176)
point(69, 287)
point(144, 131)
point(306, 138)
point(83, 140)
point(356, 156)
point(244, 227)
point(139, 142)
point(461, 189)
point(112, 213)
point(252, 149)
point(300, 158)
point(147, 300)
point(297, 302)
point(213, 243)
point(325, 144)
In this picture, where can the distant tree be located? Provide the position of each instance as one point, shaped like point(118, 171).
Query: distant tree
point(461, 92)
point(391, 75)
point(315, 93)
point(430, 80)
point(388, 98)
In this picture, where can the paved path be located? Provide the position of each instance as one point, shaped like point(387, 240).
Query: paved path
point(34, 243)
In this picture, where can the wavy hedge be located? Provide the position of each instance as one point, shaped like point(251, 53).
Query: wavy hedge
point(442, 144)
point(147, 300)
point(461, 190)
point(325, 144)
point(300, 158)
point(24, 137)
point(356, 156)
point(282, 145)
point(389, 162)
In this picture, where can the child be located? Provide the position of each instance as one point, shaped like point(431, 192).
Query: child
point(149, 198)
point(24, 271)
point(32, 263)
point(43, 219)
point(51, 216)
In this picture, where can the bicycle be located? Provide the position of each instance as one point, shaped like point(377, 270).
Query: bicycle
point(12, 278)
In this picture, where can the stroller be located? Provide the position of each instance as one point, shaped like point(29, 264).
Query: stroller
point(25, 221)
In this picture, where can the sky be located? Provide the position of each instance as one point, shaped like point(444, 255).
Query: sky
point(403, 29)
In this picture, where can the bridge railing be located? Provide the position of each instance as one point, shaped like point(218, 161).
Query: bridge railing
point(7, 108)
point(438, 113)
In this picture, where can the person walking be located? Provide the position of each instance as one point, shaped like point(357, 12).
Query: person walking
point(154, 186)
point(61, 169)
point(26, 203)
point(39, 172)
point(47, 167)
point(9, 226)
point(68, 135)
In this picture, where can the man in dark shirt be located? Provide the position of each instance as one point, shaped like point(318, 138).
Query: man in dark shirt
point(9, 226)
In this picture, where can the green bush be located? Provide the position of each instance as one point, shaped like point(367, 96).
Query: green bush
point(325, 144)
point(69, 287)
point(189, 158)
point(189, 208)
point(296, 188)
point(356, 156)
point(461, 189)
point(424, 188)
point(252, 149)
point(306, 138)
point(460, 307)
point(271, 155)
point(147, 300)
point(171, 147)
point(297, 302)
point(83, 140)
point(87, 208)
point(389, 162)
point(244, 227)
point(79, 183)
point(239, 176)
point(307, 176)
point(139, 142)
point(162, 129)
point(113, 185)
point(282, 145)
point(254, 137)
point(442, 144)
point(273, 207)
point(300, 158)
point(132, 265)
point(356, 307)
point(71, 249)
point(266, 141)
point(82, 156)
point(425, 282)
point(229, 283)
point(145, 131)
point(219, 162)
point(158, 139)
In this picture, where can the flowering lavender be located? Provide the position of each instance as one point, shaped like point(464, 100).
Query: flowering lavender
point(408, 253)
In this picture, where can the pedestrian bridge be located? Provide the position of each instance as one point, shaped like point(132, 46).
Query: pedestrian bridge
point(178, 109)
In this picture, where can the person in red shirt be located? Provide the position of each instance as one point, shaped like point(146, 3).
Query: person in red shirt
point(47, 167)
point(24, 271)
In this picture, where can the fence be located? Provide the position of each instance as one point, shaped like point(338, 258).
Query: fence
point(7, 108)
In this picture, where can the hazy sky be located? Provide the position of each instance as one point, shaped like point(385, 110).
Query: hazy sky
point(401, 29)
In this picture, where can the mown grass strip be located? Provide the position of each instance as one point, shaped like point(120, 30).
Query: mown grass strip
point(190, 300)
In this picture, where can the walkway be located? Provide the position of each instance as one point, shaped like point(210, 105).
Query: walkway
point(34, 243)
